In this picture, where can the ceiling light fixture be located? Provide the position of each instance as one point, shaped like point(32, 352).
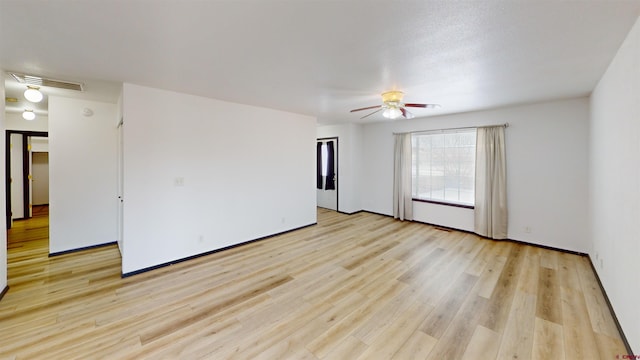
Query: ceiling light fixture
point(28, 115)
point(392, 112)
point(33, 94)
point(393, 101)
point(392, 96)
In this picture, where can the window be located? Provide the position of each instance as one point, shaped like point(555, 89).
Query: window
point(443, 166)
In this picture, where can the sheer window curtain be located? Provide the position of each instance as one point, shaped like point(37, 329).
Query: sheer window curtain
point(402, 199)
point(490, 215)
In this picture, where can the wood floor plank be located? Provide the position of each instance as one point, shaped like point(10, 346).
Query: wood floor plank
point(369, 330)
point(440, 318)
point(548, 340)
point(350, 348)
point(579, 339)
point(609, 347)
point(389, 341)
point(601, 319)
point(499, 304)
point(567, 273)
point(484, 344)
point(549, 303)
point(520, 327)
point(490, 276)
point(417, 346)
point(327, 341)
point(353, 286)
point(530, 279)
point(456, 338)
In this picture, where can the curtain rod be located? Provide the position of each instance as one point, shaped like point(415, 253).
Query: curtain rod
point(506, 125)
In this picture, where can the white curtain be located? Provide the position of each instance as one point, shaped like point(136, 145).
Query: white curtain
point(491, 183)
point(402, 203)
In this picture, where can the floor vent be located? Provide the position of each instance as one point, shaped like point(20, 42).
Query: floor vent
point(40, 81)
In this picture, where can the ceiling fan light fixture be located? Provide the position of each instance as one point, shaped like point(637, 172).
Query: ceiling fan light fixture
point(392, 113)
point(33, 94)
point(394, 107)
point(28, 115)
point(392, 96)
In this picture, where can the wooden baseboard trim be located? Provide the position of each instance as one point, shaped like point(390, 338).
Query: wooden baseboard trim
point(4, 291)
point(376, 213)
point(471, 232)
point(136, 272)
point(613, 313)
point(548, 247)
point(81, 249)
point(510, 240)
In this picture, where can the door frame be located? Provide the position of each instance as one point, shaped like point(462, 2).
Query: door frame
point(25, 170)
point(336, 159)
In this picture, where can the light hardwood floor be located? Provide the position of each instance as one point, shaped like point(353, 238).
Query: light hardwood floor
point(353, 287)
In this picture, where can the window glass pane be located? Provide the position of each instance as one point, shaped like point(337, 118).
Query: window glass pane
point(444, 166)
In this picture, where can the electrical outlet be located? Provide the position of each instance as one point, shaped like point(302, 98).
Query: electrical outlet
point(527, 229)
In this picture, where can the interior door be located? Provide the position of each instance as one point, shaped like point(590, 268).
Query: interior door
point(327, 195)
point(16, 177)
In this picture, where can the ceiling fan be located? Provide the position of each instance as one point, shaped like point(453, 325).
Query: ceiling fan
point(394, 107)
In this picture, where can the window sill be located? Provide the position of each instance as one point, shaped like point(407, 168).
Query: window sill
point(445, 203)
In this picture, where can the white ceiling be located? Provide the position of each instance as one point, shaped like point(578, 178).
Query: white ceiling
point(322, 58)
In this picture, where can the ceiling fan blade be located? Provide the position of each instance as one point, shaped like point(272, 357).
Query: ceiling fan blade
point(372, 113)
point(367, 108)
point(406, 113)
point(428, 106)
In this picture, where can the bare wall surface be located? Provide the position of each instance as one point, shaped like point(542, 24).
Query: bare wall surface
point(82, 174)
point(546, 170)
point(202, 174)
point(614, 183)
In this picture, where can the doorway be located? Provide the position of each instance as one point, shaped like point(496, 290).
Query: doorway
point(327, 173)
point(40, 180)
point(19, 165)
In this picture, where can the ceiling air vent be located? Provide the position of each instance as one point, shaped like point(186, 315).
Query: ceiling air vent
point(40, 81)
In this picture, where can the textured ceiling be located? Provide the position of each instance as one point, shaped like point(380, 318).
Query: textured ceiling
point(322, 58)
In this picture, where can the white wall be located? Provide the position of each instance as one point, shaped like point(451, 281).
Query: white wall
point(546, 170)
point(615, 183)
point(3, 227)
point(82, 172)
point(14, 121)
point(39, 144)
point(202, 174)
point(349, 163)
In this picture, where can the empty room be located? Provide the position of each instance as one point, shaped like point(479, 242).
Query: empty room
point(270, 179)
